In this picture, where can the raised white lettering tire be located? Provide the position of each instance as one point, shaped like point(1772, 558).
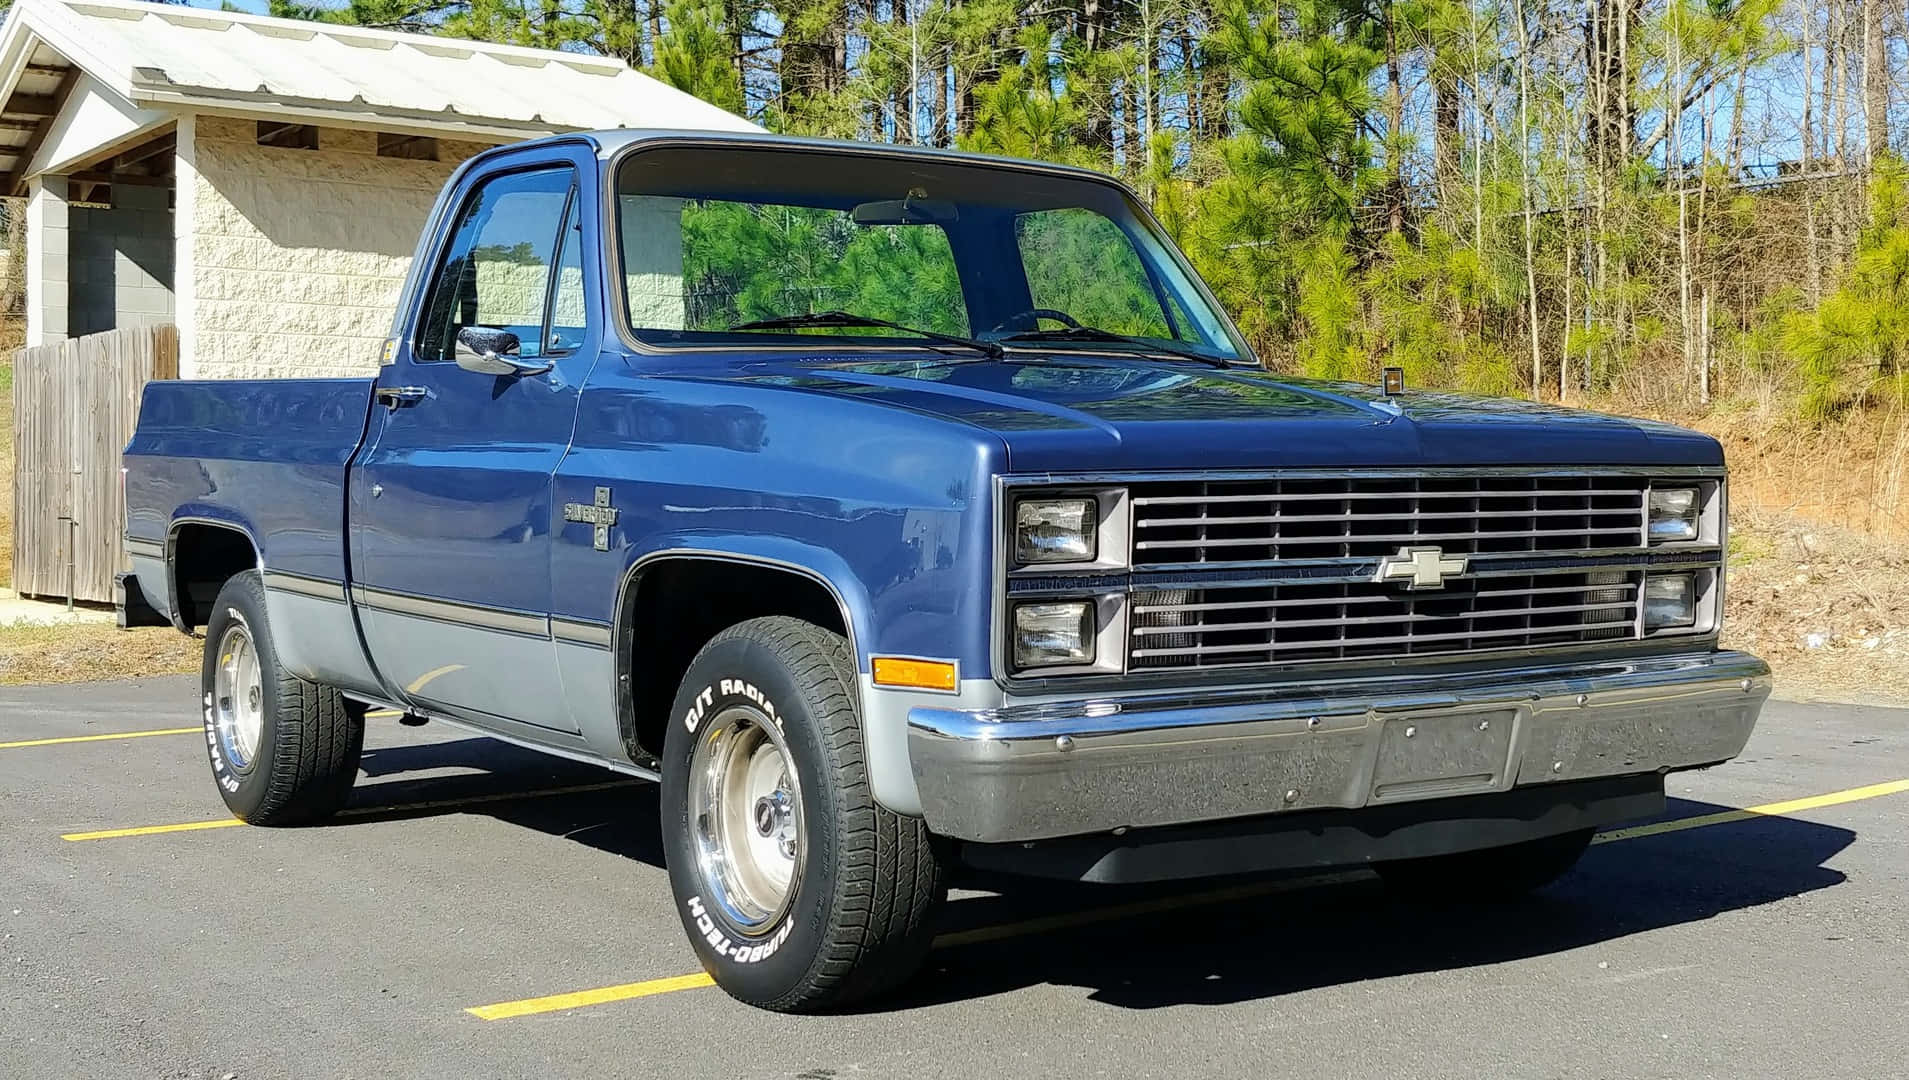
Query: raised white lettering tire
point(284, 751)
point(798, 892)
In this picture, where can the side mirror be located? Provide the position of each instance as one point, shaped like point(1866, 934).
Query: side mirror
point(489, 351)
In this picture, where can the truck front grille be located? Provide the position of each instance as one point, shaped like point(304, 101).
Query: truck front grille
point(1231, 521)
point(1225, 626)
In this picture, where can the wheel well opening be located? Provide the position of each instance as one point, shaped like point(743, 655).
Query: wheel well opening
point(204, 558)
point(677, 605)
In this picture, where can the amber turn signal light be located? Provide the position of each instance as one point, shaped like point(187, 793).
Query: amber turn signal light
point(914, 674)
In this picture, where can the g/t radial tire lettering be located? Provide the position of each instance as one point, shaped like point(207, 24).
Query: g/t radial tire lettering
point(303, 758)
point(865, 883)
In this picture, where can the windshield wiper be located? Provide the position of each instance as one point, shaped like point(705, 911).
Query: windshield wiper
point(1095, 333)
point(844, 320)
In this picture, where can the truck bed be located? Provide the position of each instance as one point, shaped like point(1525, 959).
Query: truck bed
point(266, 455)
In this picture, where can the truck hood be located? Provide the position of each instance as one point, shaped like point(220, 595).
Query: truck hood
point(1073, 413)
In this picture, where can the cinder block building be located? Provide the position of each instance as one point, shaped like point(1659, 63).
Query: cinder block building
point(260, 182)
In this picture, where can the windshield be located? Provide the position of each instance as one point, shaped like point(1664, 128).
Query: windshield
point(712, 238)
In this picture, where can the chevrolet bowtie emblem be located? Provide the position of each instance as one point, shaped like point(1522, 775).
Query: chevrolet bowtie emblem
point(1420, 567)
point(599, 513)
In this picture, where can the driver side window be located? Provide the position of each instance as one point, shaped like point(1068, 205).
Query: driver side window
point(496, 271)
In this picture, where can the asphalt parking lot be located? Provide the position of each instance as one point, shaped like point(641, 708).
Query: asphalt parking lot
point(486, 912)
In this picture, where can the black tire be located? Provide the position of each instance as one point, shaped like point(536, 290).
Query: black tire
point(861, 895)
point(1490, 873)
point(305, 756)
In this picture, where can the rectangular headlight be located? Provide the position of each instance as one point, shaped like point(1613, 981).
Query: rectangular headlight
point(1050, 634)
point(1673, 514)
point(1055, 530)
point(1670, 600)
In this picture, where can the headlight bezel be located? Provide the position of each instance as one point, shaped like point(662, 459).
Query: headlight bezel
point(1705, 514)
point(1706, 603)
point(1711, 520)
point(1032, 512)
point(1056, 613)
point(1110, 550)
point(1663, 591)
point(1097, 582)
point(1107, 628)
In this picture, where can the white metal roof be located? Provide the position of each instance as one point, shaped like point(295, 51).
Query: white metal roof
point(164, 57)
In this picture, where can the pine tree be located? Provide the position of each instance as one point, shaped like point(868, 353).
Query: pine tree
point(693, 54)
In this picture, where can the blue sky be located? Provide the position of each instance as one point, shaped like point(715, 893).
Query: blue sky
point(256, 7)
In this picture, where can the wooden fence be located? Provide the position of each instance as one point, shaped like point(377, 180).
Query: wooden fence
point(74, 406)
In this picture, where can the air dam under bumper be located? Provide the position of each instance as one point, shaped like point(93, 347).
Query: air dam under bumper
point(1031, 772)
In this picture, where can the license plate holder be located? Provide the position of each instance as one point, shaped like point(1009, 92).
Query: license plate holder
point(1438, 754)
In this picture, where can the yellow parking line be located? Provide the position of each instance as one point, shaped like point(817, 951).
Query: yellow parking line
point(504, 1010)
point(1775, 809)
point(153, 830)
point(376, 713)
point(360, 811)
point(102, 738)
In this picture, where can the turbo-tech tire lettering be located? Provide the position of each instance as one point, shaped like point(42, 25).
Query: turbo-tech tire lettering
point(740, 952)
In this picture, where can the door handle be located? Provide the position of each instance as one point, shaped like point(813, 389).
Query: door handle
point(395, 397)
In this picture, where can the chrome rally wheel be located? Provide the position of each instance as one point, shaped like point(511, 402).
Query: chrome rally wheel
point(238, 697)
point(745, 803)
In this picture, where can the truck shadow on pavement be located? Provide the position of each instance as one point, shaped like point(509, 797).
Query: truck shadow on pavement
point(1353, 930)
point(616, 814)
point(1179, 945)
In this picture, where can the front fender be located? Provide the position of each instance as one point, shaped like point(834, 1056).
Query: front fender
point(889, 510)
point(883, 712)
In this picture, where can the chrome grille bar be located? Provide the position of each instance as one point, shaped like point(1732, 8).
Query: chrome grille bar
point(1409, 617)
point(1225, 624)
point(1483, 534)
point(1222, 521)
point(1177, 500)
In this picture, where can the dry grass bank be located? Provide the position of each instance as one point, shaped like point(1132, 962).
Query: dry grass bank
point(1850, 475)
point(64, 654)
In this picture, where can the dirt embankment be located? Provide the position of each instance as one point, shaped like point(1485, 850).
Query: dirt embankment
point(1819, 551)
point(1827, 607)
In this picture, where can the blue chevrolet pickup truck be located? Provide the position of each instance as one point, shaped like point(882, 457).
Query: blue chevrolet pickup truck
point(904, 513)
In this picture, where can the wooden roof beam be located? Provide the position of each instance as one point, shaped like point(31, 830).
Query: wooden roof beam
point(165, 144)
point(96, 176)
point(40, 104)
point(16, 176)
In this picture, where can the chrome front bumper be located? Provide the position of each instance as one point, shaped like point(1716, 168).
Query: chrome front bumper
point(1030, 772)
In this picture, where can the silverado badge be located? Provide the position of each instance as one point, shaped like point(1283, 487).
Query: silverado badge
point(599, 513)
point(1420, 567)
